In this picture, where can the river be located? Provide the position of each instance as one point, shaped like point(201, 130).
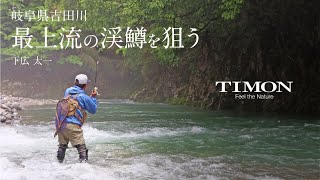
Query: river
point(129, 140)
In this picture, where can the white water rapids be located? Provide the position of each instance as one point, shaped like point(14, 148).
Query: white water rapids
point(29, 152)
point(157, 141)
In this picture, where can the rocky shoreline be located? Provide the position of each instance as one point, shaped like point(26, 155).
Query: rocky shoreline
point(10, 106)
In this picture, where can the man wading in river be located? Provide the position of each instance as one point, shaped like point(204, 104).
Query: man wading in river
point(70, 116)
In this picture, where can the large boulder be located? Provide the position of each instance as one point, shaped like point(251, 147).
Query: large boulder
point(3, 106)
point(16, 106)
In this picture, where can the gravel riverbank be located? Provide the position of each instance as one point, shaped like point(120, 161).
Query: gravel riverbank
point(10, 106)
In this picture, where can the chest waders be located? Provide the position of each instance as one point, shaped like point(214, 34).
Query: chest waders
point(69, 106)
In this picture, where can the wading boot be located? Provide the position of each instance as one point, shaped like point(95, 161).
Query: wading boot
point(83, 153)
point(61, 152)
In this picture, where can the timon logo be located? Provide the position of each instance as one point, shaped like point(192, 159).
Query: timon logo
point(257, 86)
point(242, 89)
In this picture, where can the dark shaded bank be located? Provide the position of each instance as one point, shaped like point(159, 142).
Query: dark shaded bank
point(270, 41)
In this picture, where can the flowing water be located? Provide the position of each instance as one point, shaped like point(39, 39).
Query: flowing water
point(157, 141)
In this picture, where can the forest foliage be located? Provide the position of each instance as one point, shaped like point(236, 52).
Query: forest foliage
point(238, 39)
point(154, 15)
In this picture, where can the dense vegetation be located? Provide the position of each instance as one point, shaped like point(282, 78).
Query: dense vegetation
point(239, 40)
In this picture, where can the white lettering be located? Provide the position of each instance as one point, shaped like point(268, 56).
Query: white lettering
point(263, 86)
point(223, 85)
point(247, 85)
